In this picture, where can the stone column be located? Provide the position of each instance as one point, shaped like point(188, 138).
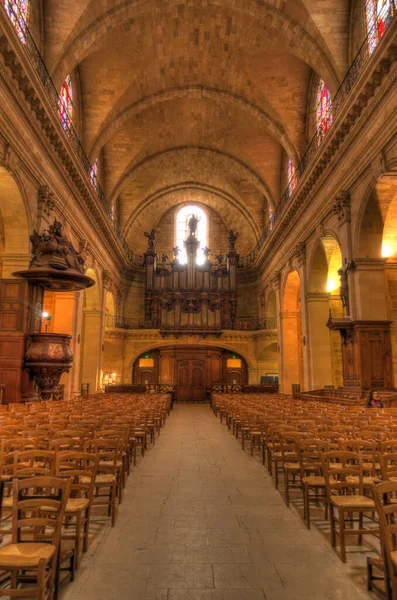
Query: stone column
point(319, 340)
point(92, 348)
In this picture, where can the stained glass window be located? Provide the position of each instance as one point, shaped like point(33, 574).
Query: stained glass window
point(18, 11)
point(94, 172)
point(291, 176)
point(66, 103)
point(182, 231)
point(378, 16)
point(323, 111)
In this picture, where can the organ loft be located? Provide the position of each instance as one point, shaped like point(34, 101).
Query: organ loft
point(183, 299)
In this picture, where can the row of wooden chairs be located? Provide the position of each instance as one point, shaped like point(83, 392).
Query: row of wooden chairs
point(88, 444)
point(341, 457)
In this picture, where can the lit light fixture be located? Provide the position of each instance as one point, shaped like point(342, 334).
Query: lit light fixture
point(146, 355)
point(331, 285)
point(47, 317)
point(387, 250)
point(113, 374)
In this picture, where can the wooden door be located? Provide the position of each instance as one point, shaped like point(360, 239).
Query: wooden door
point(190, 380)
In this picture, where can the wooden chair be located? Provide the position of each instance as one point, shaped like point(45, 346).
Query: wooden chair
point(309, 453)
point(345, 496)
point(385, 499)
point(106, 479)
point(32, 555)
point(82, 468)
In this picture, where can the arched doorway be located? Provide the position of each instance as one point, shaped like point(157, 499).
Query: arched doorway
point(91, 337)
point(192, 370)
point(323, 296)
point(292, 352)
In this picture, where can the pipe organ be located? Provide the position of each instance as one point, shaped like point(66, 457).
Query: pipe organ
point(187, 299)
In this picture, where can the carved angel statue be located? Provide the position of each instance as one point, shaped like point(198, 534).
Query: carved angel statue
point(164, 258)
point(219, 259)
point(151, 238)
point(53, 249)
point(176, 252)
point(206, 251)
point(192, 223)
point(232, 237)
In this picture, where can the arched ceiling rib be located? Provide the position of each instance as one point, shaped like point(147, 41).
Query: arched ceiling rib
point(207, 99)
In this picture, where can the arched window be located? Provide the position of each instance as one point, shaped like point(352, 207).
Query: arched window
point(291, 176)
point(323, 111)
point(66, 104)
point(182, 231)
point(378, 17)
point(18, 11)
point(94, 172)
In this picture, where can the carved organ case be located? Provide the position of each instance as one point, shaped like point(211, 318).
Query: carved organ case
point(191, 298)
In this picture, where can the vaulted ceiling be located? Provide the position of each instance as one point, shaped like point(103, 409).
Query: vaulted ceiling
point(205, 97)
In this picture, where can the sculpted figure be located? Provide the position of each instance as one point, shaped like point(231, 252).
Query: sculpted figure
point(206, 251)
point(52, 249)
point(151, 236)
point(176, 252)
point(192, 224)
point(232, 237)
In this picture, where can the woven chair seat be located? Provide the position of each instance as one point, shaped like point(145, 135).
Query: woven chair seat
point(291, 466)
point(353, 502)
point(101, 478)
point(109, 463)
point(73, 505)
point(369, 466)
point(27, 554)
point(366, 480)
point(315, 480)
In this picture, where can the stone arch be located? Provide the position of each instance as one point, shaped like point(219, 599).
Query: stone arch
point(323, 297)
point(91, 335)
point(370, 223)
point(14, 225)
point(87, 35)
point(110, 307)
point(153, 345)
point(252, 175)
point(291, 344)
point(376, 249)
point(116, 120)
point(232, 213)
point(268, 360)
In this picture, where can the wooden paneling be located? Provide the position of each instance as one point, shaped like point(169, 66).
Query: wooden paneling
point(193, 370)
point(16, 300)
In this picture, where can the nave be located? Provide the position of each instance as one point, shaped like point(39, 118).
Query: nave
point(201, 520)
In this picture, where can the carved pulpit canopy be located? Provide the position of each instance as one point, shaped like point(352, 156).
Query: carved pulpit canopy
point(55, 264)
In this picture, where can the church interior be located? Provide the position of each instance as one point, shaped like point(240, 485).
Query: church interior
point(198, 299)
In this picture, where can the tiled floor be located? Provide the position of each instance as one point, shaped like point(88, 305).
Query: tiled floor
point(201, 520)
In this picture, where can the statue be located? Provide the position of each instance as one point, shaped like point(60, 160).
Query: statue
point(164, 258)
point(232, 237)
point(192, 224)
point(344, 284)
point(176, 252)
point(206, 251)
point(52, 249)
point(151, 239)
point(219, 259)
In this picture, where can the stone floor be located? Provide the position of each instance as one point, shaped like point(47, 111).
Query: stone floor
point(201, 520)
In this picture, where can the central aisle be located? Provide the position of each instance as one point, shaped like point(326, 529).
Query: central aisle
point(201, 520)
